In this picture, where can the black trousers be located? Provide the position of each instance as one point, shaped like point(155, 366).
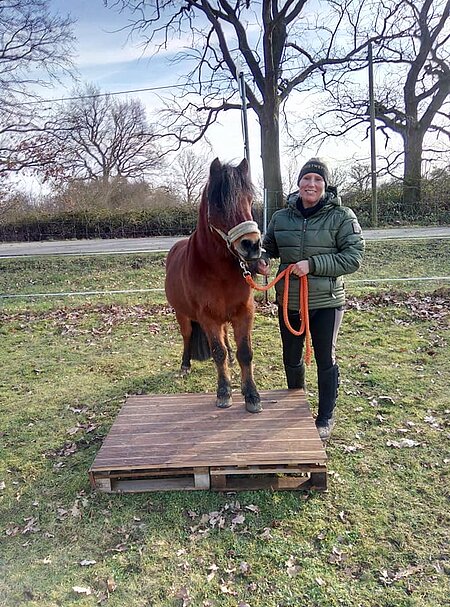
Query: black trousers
point(324, 327)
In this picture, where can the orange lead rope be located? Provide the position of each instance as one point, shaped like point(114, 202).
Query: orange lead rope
point(304, 315)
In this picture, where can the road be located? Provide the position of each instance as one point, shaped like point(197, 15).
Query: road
point(163, 243)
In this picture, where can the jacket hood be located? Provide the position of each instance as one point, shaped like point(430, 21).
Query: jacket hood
point(331, 197)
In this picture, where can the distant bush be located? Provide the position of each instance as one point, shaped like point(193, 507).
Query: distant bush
point(392, 210)
point(100, 223)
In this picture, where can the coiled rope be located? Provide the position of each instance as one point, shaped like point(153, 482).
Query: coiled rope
point(303, 309)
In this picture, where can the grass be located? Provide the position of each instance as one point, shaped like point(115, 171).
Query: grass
point(377, 538)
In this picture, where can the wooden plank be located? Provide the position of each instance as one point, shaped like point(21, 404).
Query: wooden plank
point(304, 469)
point(149, 484)
point(164, 437)
point(201, 478)
point(268, 397)
point(268, 482)
point(146, 462)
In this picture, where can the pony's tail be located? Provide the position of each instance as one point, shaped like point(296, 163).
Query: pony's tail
point(200, 349)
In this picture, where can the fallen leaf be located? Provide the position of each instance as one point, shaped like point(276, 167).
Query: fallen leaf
point(30, 526)
point(266, 534)
point(238, 519)
point(387, 398)
point(352, 448)
point(341, 516)
point(244, 567)
point(82, 590)
point(389, 577)
point(404, 442)
point(87, 563)
point(320, 581)
point(291, 568)
point(212, 569)
point(183, 594)
point(336, 556)
point(225, 589)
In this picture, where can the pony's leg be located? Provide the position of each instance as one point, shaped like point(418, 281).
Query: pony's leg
point(217, 341)
point(228, 346)
point(186, 332)
point(242, 329)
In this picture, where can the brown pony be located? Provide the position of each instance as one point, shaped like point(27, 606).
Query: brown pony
point(205, 284)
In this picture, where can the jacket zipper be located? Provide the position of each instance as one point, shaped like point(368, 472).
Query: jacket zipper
point(305, 221)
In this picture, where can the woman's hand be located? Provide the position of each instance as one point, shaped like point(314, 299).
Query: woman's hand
point(301, 268)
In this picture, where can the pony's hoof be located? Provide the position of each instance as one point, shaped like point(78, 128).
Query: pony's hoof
point(254, 406)
point(184, 371)
point(224, 404)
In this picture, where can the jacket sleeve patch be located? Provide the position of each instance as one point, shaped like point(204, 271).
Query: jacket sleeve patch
point(356, 227)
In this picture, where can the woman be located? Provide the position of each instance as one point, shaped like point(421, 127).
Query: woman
point(324, 241)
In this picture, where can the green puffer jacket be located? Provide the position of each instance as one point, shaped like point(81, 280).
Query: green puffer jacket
point(331, 240)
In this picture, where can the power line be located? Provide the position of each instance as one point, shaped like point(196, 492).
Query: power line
point(144, 90)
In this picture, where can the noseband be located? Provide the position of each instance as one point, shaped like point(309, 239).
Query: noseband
point(242, 228)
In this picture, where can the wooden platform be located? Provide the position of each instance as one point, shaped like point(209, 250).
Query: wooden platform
point(184, 442)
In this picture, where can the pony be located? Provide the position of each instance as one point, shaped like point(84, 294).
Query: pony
point(204, 280)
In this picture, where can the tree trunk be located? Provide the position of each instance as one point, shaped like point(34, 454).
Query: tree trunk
point(412, 175)
point(270, 155)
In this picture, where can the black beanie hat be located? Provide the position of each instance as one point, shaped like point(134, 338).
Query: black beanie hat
point(318, 166)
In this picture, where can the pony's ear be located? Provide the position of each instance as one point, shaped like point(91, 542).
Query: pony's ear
point(215, 167)
point(243, 166)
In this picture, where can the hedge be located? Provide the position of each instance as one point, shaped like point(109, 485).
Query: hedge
point(100, 224)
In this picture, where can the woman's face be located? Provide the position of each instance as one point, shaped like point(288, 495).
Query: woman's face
point(311, 189)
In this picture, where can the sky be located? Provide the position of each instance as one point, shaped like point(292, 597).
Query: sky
point(106, 57)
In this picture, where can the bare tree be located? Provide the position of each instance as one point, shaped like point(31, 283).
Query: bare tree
point(359, 179)
point(412, 98)
point(278, 43)
point(96, 137)
point(191, 172)
point(35, 47)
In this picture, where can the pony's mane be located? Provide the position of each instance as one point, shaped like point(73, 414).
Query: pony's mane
point(226, 189)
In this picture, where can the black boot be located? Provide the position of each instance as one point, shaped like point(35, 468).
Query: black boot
point(328, 382)
point(295, 376)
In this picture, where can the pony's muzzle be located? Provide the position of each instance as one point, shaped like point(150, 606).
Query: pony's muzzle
point(249, 247)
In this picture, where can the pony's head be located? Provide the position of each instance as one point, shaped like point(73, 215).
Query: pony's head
point(229, 195)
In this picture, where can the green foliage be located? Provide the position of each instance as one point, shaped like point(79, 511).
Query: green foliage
point(100, 223)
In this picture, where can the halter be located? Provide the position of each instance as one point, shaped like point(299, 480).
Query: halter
point(234, 233)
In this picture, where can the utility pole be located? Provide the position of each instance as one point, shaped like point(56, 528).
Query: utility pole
point(244, 122)
point(241, 84)
point(373, 160)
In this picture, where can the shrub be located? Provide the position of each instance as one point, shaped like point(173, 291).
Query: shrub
point(100, 223)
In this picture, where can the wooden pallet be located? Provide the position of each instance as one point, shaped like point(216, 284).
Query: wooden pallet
point(184, 442)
